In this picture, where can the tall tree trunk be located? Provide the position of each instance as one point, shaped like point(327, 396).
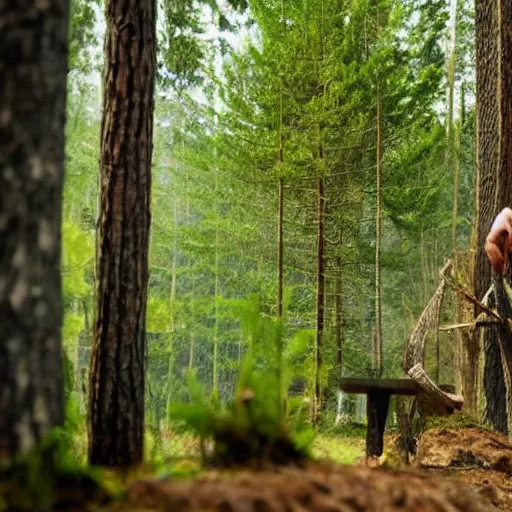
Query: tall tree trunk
point(280, 212)
point(192, 344)
point(215, 369)
point(33, 63)
point(116, 405)
point(469, 343)
point(425, 278)
point(191, 328)
point(320, 294)
point(494, 175)
point(320, 277)
point(377, 349)
point(338, 320)
point(452, 158)
point(172, 301)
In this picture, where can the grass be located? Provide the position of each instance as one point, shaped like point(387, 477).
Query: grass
point(181, 449)
point(339, 449)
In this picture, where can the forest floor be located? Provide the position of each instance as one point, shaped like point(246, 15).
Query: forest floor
point(456, 469)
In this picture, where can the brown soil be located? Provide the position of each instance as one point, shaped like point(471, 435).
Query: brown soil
point(319, 488)
point(469, 447)
point(478, 458)
point(456, 470)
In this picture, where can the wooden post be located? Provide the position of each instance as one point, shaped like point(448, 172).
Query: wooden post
point(377, 413)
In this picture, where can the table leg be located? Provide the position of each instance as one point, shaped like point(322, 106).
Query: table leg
point(376, 414)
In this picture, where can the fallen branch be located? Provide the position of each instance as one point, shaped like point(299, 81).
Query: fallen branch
point(476, 323)
point(457, 326)
point(471, 298)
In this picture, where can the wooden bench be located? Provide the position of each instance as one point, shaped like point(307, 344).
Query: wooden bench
point(378, 393)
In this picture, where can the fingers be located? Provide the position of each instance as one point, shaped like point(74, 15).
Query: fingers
point(495, 257)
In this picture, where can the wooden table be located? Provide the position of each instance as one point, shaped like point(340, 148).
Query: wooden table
point(378, 392)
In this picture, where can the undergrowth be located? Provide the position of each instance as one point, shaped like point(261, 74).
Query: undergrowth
point(54, 472)
point(457, 420)
point(252, 430)
point(261, 424)
point(49, 476)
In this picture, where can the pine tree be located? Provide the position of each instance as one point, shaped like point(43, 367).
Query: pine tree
point(118, 361)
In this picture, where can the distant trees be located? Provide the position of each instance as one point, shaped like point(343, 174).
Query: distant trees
point(350, 89)
point(326, 121)
point(118, 361)
point(33, 63)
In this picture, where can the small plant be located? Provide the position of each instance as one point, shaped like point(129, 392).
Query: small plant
point(250, 431)
point(259, 426)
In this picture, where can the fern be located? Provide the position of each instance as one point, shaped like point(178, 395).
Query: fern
point(255, 428)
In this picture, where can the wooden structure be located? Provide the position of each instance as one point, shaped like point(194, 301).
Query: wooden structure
point(432, 399)
point(378, 393)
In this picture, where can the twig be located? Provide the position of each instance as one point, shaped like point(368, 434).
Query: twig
point(456, 326)
point(469, 297)
point(476, 323)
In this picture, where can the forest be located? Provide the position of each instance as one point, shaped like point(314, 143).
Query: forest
point(255, 255)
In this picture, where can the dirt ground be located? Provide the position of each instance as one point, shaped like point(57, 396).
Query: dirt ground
point(321, 488)
point(478, 458)
point(456, 470)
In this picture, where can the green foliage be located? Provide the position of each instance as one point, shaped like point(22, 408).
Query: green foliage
point(24, 489)
point(345, 430)
point(296, 71)
point(250, 431)
point(459, 420)
point(253, 428)
point(77, 255)
point(159, 315)
point(82, 34)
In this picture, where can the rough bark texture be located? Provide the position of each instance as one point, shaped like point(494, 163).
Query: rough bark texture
point(116, 425)
point(280, 212)
point(377, 348)
point(504, 308)
point(494, 178)
point(470, 341)
point(504, 191)
point(338, 319)
point(33, 68)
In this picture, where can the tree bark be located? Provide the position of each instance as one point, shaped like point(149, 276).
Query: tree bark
point(33, 64)
point(494, 175)
point(377, 348)
point(116, 404)
point(320, 294)
point(338, 320)
point(280, 212)
point(452, 160)
point(215, 364)
point(192, 324)
point(172, 304)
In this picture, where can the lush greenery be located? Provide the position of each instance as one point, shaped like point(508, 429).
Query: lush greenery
point(318, 79)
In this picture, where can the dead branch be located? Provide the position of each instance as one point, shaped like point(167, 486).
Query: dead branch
point(463, 293)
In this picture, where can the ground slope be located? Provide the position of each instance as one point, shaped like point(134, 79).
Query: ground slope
point(318, 487)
